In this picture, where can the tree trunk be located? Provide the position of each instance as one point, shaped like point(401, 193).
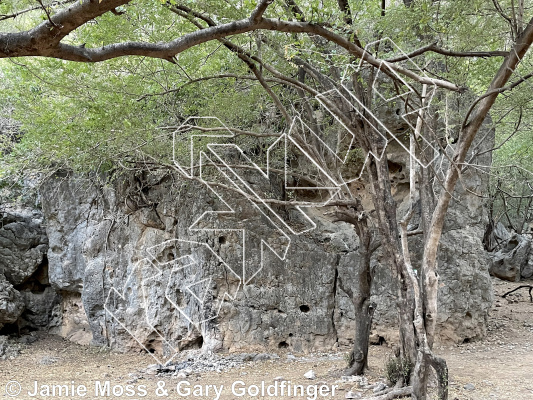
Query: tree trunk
point(479, 111)
point(364, 311)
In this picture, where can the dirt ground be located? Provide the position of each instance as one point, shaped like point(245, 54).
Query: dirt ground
point(497, 367)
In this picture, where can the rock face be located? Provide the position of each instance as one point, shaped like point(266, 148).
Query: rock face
point(26, 298)
point(288, 304)
point(465, 289)
point(136, 261)
point(151, 261)
point(23, 244)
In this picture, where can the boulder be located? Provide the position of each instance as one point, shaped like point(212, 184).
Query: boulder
point(496, 236)
point(23, 244)
point(511, 260)
point(11, 302)
point(39, 307)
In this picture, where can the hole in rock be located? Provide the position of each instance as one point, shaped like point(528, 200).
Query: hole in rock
point(222, 239)
point(304, 308)
point(10, 329)
point(283, 345)
point(394, 167)
point(196, 343)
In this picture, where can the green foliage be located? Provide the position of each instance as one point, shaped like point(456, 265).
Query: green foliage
point(97, 116)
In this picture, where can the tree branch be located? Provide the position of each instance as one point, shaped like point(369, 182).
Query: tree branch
point(257, 14)
point(295, 10)
point(4, 17)
point(492, 92)
point(43, 41)
point(47, 12)
point(344, 6)
point(207, 78)
point(393, 394)
point(521, 287)
point(235, 131)
point(436, 49)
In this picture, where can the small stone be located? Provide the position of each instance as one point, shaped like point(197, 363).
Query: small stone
point(262, 357)
point(47, 360)
point(152, 369)
point(290, 357)
point(310, 374)
point(279, 379)
point(469, 386)
point(373, 338)
point(379, 387)
point(247, 357)
point(352, 395)
point(181, 374)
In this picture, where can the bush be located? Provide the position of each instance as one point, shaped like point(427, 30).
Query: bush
point(397, 369)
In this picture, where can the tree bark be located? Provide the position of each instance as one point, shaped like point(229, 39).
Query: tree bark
point(385, 206)
point(364, 311)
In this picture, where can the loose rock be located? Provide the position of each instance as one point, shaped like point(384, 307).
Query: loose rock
point(352, 395)
point(469, 386)
point(310, 374)
point(379, 387)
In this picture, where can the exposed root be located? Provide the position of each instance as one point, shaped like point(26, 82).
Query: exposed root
point(392, 393)
point(520, 287)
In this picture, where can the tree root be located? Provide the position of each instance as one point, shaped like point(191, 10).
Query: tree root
point(530, 287)
point(392, 393)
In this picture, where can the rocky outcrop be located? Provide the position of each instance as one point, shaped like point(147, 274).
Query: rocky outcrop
point(11, 302)
point(147, 275)
point(148, 260)
point(289, 303)
point(512, 258)
point(26, 298)
point(23, 244)
point(465, 289)
point(41, 309)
